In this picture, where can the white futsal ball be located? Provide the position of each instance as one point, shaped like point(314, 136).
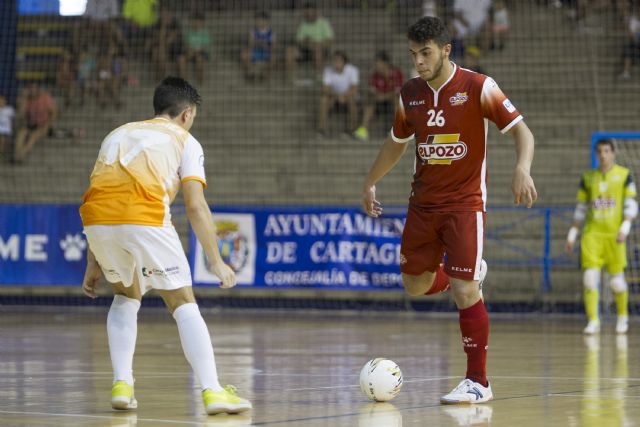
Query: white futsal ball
point(380, 379)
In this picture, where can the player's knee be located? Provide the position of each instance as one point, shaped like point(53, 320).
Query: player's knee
point(591, 278)
point(417, 285)
point(617, 283)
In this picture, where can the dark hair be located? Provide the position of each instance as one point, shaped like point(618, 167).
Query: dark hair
point(383, 56)
point(262, 14)
point(173, 95)
point(427, 29)
point(610, 142)
point(342, 54)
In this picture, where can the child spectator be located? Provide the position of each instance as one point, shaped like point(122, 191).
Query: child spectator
point(384, 87)
point(339, 89)
point(197, 41)
point(38, 113)
point(313, 40)
point(258, 58)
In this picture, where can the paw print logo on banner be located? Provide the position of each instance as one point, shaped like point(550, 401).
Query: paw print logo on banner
point(73, 246)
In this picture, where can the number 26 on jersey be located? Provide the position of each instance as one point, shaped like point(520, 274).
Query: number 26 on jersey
point(435, 118)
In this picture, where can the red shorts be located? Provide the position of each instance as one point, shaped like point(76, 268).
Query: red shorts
point(428, 236)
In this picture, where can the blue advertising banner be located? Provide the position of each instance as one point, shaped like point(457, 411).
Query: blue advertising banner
point(328, 248)
point(41, 245)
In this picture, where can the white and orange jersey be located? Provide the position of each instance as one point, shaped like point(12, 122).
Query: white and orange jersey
point(450, 127)
point(138, 173)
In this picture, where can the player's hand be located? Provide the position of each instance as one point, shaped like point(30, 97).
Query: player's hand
point(91, 279)
point(523, 188)
point(371, 206)
point(621, 237)
point(226, 275)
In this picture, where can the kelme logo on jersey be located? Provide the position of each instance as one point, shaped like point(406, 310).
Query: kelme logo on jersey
point(442, 149)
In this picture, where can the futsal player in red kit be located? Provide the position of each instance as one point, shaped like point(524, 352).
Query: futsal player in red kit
point(445, 112)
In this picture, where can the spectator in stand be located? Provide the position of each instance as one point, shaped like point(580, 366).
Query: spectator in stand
point(384, 87)
point(99, 13)
point(7, 113)
point(66, 77)
point(631, 52)
point(37, 114)
point(339, 89)
point(104, 83)
point(86, 73)
point(141, 16)
point(500, 23)
point(197, 43)
point(258, 58)
point(470, 21)
point(119, 72)
point(313, 40)
point(471, 59)
point(167, 44)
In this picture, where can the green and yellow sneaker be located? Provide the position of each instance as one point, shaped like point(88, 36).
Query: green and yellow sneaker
point(362, 133)
point(122, 396)
point(218, 402)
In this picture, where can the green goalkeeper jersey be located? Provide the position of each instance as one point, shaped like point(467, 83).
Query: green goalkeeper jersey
point(604, 194)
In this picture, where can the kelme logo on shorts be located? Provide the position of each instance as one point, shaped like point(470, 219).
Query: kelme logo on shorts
point(442, 149)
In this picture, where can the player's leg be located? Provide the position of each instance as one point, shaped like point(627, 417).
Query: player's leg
point(591, 255)
point(463, 237)
point(165, 268)
point(122, 331)
point(122, 321)
point(616, 263)
point(326, 103)
point(421, 254)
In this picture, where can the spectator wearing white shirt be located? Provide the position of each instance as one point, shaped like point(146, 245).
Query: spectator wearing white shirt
point(7, 113)
point(470, 21)
point(339, 89)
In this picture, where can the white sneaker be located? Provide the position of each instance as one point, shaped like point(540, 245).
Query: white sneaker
point(468, 392)
point(622, 325)
point(593, 327)
point(483, 274)
point(469, 415)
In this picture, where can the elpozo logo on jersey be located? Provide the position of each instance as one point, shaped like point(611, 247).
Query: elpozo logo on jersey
point(442, 149)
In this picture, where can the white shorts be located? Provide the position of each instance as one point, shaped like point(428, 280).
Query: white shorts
point(150, 256)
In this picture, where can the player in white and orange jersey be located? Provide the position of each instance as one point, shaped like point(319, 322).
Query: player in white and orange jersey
point(446, 110)
point(125, 212)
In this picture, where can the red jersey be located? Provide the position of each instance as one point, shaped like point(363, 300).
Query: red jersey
point(385, 84)
point(450, 129)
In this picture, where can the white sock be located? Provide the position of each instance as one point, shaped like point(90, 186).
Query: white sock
point(122, 329)
point(196, 344)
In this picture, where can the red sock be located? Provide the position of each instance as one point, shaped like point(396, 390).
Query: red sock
point(474, 325)
point(440, 283)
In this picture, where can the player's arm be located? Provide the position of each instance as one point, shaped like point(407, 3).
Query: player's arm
point(388, 156)
point(201, 221)
point(629, 209)
point(92, 275)
point(579, 215)
point(522, 186)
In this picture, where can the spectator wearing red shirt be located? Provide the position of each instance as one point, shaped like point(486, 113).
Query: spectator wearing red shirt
point(37, 113)
point(384, 86)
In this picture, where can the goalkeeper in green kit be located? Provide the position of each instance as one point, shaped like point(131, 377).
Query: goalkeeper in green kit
point(607, 206)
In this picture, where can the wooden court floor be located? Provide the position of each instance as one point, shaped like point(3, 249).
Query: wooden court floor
point(301, 369)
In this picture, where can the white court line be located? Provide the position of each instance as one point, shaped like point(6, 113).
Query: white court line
point(609, 398)
point(356, 385)
point(563, 378)
point(104, 417)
